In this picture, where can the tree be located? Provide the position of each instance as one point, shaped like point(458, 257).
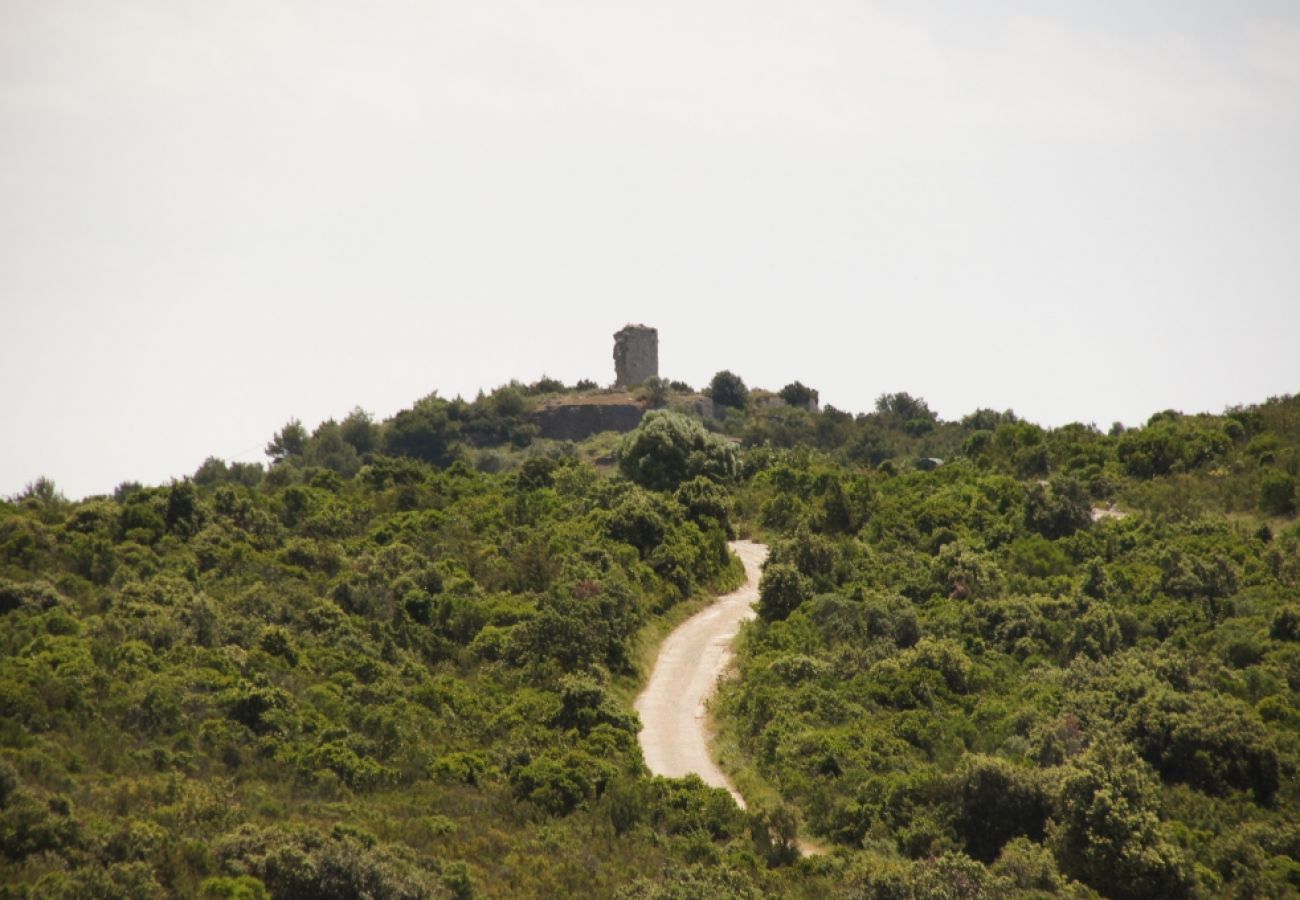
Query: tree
point(905, 406)
point(996, 801)
point(1277, 493)
point(329, 448)
point(727, 389)
point(291, 440)
point(359, 430)
point(424, 431)
point(706, 501)
point(798, 394)
point(668, 448)
point(1109, 835)
point(43, 492)
point(1058, 509)
point(781, 590)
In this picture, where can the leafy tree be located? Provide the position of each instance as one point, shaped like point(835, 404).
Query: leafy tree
point(1277, 495)
point(183, 515)
point(986, 419)
point(359, 430)
point(291, 440)
point(905, 407)
point(996, 801)
point(329, 449)
point(1285, 625)
point(639, 519)
point(706, 502)
point(42, 492)
point(425, 432)
point(781, 590)
point(1170, 443)
point(668, 448)
point(546, 385)
point(727, 389)
point(1109, 832)
point(1214, 743)
point(798, 394)
point(1057, 509)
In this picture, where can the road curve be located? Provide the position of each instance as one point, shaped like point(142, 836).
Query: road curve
point(674, 719)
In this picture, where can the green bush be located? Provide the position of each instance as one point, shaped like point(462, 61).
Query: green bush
point(668, 448)
point(1277, 496)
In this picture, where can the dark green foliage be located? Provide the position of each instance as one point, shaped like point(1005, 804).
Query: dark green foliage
point(204, 686)
point(1109, 834)
point(359, 430)
point(996, 801)
point(1210, 742)
point(905, 407)
point(707, 503)
point(782, 589)
point(1171, 443)
point(1057, 509)
point(977, 679)
point(638, 519)
point(546, 385)
point(216, 471)
point(368, 674)
point(1286, 624)
point(1277, 495)
point(425, 432)
point(291, 440)
point(727, 389)
point(297, 864)
point(667, 449)
point(800, 395)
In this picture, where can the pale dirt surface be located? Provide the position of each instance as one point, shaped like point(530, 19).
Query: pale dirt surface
point(674, 705)
point(1106, 512)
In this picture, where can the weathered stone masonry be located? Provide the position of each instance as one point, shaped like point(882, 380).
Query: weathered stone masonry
point(636, 355)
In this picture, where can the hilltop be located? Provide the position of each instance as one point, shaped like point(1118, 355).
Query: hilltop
point(399, 659)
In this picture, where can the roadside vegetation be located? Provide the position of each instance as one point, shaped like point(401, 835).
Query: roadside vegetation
point(1060, 662)
point(398, 660)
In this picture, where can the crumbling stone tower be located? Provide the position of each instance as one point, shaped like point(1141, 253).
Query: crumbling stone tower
point(636, 355)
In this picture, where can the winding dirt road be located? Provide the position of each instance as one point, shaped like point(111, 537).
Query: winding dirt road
point(674, 717)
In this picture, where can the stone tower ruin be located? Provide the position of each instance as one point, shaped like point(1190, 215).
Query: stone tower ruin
point(636, 355)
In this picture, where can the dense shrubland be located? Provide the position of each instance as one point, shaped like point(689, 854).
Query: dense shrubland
point(399, 661)
point(961, 667)
point(403, 682)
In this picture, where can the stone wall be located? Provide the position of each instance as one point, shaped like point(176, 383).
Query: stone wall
point(577, 421)
point(636, 355)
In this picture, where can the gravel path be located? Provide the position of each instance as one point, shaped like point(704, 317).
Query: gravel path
point(673, 707)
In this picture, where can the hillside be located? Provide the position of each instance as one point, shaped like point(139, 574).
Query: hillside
point(400, 660)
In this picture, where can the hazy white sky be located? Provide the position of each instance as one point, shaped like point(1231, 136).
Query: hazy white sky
point(218, 216)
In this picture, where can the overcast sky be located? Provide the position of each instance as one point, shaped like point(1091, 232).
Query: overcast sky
point(218, 216)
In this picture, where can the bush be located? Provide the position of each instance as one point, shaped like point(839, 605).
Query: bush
point(668, 448)
point(781, 590)
point(299, 864)
point(1109, 833)
point(1286, 624)
point(727, 389)
point(1277, 493)
point(798, 394)
point(996, 801)
point(557, 785)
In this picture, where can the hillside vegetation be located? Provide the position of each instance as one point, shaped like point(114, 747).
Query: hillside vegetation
point(399, 661)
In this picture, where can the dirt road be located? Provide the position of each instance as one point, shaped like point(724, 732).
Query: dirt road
point(674, 734)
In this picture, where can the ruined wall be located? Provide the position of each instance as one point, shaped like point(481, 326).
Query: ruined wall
point(636, 355)
point(577, 421)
